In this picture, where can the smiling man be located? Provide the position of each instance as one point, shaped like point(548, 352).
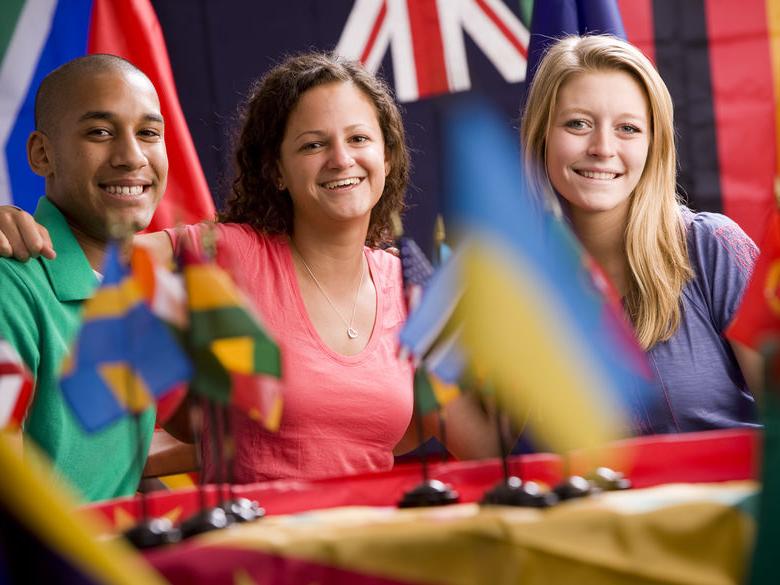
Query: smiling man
point(99, 144)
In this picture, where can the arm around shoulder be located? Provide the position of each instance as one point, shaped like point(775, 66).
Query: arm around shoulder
point(159, 244)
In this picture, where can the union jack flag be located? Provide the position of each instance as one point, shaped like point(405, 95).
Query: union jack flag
point(427, 44)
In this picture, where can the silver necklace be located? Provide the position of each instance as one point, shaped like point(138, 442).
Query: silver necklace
point(351, 331)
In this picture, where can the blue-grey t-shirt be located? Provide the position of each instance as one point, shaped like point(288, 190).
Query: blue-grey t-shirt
point(700, 379)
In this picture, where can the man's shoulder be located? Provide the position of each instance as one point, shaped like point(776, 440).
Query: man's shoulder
point(26, 288)
point(29, 274)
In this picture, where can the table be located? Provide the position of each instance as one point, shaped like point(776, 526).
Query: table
point(689, 520)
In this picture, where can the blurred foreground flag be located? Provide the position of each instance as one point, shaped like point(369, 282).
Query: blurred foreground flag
point(164, 292)
point(536, 323)
point(45, 539)
point(757, 321)
point(236, 360)
point(432, 333)
point(16, 386)
point(125, 357)
point(430, 391)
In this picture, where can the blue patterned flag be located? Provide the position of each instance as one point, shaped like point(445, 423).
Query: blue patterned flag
point(125, 358)
point(553, 19)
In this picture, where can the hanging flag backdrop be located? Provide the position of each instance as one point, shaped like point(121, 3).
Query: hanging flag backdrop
point(37, 36)
point(713, 54)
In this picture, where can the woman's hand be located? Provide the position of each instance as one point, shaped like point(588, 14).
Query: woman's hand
point(752, 365)
point(21, 237)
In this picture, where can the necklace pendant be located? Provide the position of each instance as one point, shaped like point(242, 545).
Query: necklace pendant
point(351, 333)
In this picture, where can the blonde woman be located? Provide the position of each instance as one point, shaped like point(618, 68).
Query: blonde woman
point(598, 143)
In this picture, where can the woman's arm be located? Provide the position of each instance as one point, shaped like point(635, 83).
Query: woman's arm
point(21, 237)
point(159, 244)
point(752, 365)
point(471, 432)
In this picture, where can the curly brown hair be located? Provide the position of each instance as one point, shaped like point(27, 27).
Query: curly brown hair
point(255, 199)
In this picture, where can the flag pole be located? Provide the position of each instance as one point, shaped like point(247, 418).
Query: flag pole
point(148, 532)
point(512, 490)
point(440, 255)
point(208, 518)
point(431, 492)
point(239, 509)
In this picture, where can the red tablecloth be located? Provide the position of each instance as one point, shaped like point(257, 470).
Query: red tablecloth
point(648, 461)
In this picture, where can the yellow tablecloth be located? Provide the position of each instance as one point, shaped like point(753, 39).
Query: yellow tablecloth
point(680, 533)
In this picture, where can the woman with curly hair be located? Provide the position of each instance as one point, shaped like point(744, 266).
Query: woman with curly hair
point(321, 164)
point(598, 141)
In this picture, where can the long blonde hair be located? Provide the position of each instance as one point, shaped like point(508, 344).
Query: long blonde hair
point(655, 242)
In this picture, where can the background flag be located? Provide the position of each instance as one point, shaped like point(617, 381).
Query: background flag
point(553, 19)
point(38, 36)
point(713, 54)
point(16, 387)
point(124, 357)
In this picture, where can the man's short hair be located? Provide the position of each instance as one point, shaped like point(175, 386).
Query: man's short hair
point(52, 92)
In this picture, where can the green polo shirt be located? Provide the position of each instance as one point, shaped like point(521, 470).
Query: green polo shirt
point(40, 309)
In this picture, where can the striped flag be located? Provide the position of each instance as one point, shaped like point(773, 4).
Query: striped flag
point(16, 388)
point(38, 36)
point(416, 270)
point(236, 360)
point(124, 358)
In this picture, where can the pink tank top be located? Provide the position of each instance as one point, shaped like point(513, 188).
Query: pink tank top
point(342, 414)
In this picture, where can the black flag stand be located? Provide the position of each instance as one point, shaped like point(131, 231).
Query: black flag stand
point(208, 518)
point(431, 492)
point(149, 532)
point(237, 509)
point(572, 486)
point(512, 490)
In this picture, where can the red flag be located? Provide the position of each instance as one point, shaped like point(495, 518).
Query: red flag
point(757, 321)
point(16, 388)
point(129, 29)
